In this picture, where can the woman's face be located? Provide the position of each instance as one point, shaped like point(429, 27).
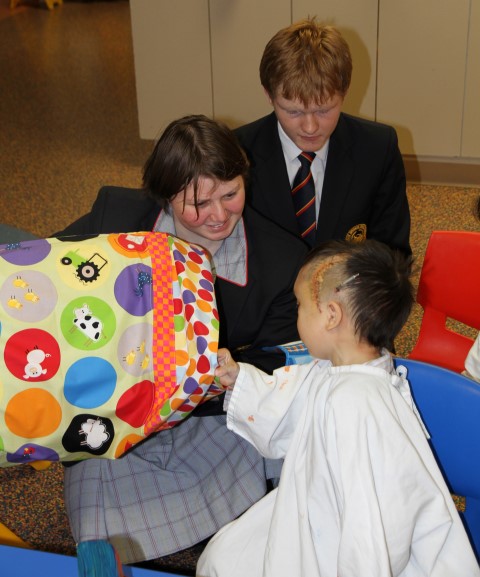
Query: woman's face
point(219, 208)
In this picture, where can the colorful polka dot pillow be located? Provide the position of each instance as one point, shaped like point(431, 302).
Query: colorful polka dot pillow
point(102, 342)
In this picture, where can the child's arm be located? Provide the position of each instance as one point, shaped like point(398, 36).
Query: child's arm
point(263, 408)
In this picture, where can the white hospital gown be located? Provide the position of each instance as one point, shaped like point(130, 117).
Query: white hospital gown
point(360, 493)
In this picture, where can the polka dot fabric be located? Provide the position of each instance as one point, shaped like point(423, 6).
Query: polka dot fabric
point(102, 342)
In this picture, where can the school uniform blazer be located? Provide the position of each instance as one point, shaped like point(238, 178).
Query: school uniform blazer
point(262, 313)
point(364, 189)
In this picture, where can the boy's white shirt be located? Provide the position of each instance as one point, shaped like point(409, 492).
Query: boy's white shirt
point(360, 492)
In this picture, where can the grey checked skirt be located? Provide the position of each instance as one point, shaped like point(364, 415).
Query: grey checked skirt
point(168, 493)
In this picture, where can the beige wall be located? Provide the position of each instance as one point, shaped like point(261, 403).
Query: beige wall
point(239, 32)
point(416, 66)
point(471, 117)
point(421, 79)
point(171, 47)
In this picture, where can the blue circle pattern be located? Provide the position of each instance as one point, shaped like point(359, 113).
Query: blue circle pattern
point(81, 382)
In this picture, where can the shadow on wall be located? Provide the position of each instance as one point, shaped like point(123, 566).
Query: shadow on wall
point(361, 75)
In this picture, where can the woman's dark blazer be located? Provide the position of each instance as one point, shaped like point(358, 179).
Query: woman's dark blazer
point(262, 313)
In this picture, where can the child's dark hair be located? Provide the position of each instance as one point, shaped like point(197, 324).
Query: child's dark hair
point(371, 280)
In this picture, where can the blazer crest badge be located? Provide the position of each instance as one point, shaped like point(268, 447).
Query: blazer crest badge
point(357, 233)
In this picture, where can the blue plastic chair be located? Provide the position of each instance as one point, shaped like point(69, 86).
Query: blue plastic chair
point(19, 562)
point(449, 404)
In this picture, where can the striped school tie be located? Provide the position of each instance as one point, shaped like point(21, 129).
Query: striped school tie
point(303, 193)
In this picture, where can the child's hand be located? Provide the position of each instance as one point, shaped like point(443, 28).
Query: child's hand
point(227, 370)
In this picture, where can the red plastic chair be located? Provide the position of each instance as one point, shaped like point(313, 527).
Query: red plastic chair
point(449, 287)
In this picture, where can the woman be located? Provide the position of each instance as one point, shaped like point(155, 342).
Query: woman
point(181, 485)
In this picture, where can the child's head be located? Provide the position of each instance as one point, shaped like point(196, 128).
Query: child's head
point(366, 286)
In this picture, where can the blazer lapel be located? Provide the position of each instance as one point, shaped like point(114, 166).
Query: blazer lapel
point(270, 178)
point(336, 183)
point(232, 297)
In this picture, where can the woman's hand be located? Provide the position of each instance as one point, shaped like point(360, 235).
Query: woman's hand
point(227, 370)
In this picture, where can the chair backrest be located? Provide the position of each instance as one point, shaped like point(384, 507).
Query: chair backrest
point(449, 287)
point(449, 404)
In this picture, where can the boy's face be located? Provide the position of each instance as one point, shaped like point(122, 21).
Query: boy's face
point(311, 320)
point(309, 127)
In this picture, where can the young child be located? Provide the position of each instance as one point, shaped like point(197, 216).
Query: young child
point(360, 492)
